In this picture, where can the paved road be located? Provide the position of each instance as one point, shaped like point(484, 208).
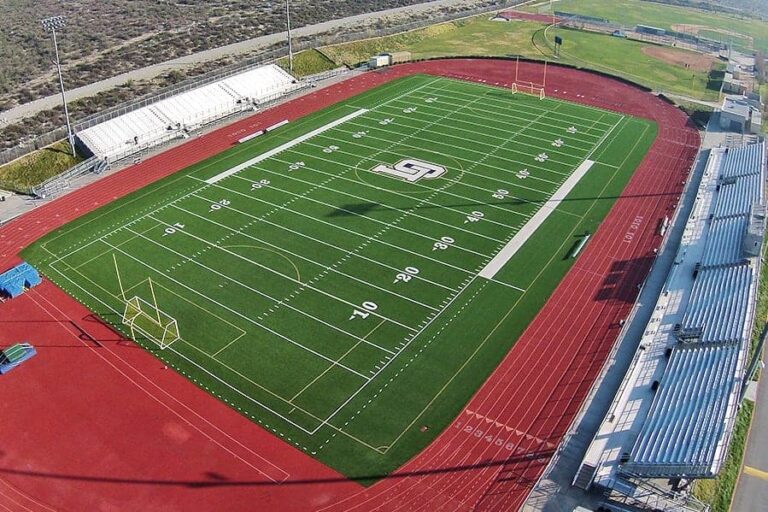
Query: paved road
point(29, 109)
point(752, 488)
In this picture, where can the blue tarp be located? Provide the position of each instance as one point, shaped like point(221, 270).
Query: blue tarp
point(14, 281)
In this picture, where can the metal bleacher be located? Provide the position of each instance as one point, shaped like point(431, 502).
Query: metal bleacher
point(675, 410)
point(685, 431)
point(724, 241)
point(720, 302)
point(176, 116)
point(688, 426)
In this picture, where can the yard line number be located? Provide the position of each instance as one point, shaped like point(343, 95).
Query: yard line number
point(364, 311)
point(406, 275)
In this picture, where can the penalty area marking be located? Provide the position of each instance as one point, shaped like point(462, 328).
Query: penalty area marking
point(530, 227)
point(283, 147)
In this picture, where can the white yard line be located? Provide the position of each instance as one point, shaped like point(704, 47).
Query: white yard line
point(241, 232)
point(385, 206)
point(509, 104)
point(245, 317)
point(530, 227)
point(496, 124)
point(288, 145)
point(468, 140)
point(266, 295)
point(322, 242)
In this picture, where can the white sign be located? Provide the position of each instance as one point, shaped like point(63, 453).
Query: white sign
point(411, 170)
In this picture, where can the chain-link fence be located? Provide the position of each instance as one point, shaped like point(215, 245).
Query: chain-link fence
point(267, 56)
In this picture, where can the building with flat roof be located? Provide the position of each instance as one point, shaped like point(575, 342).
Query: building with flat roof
point(739, 114)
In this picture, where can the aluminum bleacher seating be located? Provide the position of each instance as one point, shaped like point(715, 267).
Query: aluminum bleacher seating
point(719, 303)
point(174, 117)
point(724, 241)
point(686, 429)
point(693, 411)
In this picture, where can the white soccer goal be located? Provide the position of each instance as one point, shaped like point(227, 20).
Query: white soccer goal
point(150, 322)
point(535, 89)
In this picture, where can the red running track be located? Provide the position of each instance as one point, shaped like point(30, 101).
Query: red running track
point(95, 423)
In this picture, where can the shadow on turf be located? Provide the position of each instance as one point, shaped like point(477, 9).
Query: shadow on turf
point(217, 480)
point(368, 207)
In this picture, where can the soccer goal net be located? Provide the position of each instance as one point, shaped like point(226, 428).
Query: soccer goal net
point(535, 90)
point(150, 322)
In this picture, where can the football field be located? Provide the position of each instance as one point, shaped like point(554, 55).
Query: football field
point(349, 279)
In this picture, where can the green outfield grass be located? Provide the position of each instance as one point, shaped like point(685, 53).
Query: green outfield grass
point(632, 12)
point(480, 36)
point(335, 292)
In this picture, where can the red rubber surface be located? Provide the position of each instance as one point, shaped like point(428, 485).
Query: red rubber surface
point(95, 423)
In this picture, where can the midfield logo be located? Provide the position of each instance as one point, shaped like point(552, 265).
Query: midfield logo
point(411, 170)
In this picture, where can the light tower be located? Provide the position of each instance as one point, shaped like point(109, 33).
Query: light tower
point(290, 44)
point(51, 25)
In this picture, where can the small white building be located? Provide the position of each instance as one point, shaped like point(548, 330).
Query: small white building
point(379, 61)
point(739, 114)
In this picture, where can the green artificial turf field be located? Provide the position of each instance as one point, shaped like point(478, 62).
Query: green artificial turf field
point(335, 280)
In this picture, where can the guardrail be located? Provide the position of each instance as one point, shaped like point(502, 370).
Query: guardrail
point(55, 185)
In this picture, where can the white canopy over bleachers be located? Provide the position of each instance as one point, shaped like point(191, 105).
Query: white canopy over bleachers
point(178, 115)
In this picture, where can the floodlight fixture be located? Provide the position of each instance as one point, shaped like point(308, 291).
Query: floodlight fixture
point(51, 25)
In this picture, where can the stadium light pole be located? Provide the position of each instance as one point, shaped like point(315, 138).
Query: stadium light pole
point(290, 44)
point(50, 25)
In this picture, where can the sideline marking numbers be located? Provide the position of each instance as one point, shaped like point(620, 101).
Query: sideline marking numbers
point(173, 229)
point(365, 310)
point(406, 275)
point(442, 244)
point(474, 217)
point(259, 184)
point(500, 194)
point(218, 205)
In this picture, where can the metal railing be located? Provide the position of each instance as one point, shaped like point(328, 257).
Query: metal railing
point(56, 184)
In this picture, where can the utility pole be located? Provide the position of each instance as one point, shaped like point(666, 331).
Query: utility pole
point(50, 25)
point(290, 44)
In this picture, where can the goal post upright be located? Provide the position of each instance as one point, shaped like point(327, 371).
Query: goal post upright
point(148, 320)
point(119, 279)
point(154, 299)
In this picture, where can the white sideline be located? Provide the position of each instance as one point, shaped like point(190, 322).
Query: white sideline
point(283, 147)
point(530, 227)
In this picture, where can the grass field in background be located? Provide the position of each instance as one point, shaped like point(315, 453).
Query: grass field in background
point(337, 304)
point(633, 12)
point(481, 36)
